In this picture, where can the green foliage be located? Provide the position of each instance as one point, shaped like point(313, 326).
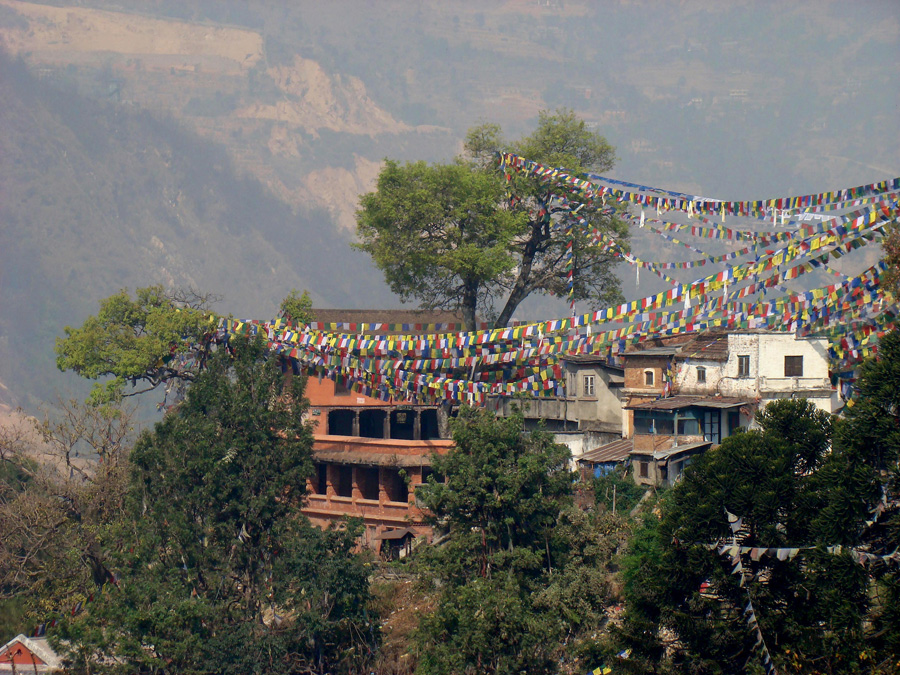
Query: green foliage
point(297, 307)
point(141, 339)
point(218, 572)
point(792, 490)
point(891, 245)
point(618, 486)
point(438, 234)
point(460, 236)
point(523, 577)
point(54, 505)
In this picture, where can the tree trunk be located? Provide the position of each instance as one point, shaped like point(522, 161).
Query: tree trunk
point(520, 289)
point(469, 304)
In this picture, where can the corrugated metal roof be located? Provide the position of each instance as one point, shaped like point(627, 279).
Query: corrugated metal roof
point(664, 455)
point(680, 402)
point(616, 451)
point(654, 351)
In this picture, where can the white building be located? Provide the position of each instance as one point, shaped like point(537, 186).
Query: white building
point(756, 364)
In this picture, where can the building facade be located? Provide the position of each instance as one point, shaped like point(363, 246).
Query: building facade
point(588, 416)
point(686, 394)
point(371, 454)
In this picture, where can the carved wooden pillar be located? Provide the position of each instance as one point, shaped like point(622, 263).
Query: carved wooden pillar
point(356, 422)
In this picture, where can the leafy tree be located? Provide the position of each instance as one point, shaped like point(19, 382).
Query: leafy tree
point(459, 236)
point(617, 490)
point(215, 570)
point(58, 489)
point(159, 338)
point(522, 572)
point(686, 607)
point(297, 307)
point(891, 244)
point(156, 338)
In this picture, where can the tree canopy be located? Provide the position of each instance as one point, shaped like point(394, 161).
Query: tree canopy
point(460, 236)
point(212, 567)
point(155, 338)
point(796, 484)
point(159, 337)
point(523, 576)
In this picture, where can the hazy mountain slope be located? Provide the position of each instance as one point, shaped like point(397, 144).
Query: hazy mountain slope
point(96, 197)
point(737, 100)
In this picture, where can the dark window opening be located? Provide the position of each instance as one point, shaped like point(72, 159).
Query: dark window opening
point(744, 365)
point(701, 375)
point(793, 366)
point(371, 423)
point(428, 471)
point(367, 481)
point(402, 425)
point(648, 378)
point(430, 429)
point(643, 469)
point(340, 422)
point(344, 487)
point(320, 482)
point(734, 421)
point(395, 486)
point(340, 389)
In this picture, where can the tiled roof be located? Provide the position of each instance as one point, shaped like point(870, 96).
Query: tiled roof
point(707, 347)
point(616, 451)
point(679, 402)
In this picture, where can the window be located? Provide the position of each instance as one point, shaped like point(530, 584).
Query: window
point(711, 426)
point(793, 366)
point(588, 388)
point(340, 389)
point(744, 365)
point(648, 378)
point(642, 469)
point(688, 427)
point(701, 375)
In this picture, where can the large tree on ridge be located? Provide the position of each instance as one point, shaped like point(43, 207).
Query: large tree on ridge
point(460, 236)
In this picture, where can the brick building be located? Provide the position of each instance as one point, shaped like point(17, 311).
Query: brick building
point(371, 454)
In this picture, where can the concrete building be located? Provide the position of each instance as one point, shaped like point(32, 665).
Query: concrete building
point(685, 394)
point(588, 416)
point(756, 364)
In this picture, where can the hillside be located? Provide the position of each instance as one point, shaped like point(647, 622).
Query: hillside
point(95, 197)
point(223, 143)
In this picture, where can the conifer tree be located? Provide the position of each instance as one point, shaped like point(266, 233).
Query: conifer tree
point(212, 568)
